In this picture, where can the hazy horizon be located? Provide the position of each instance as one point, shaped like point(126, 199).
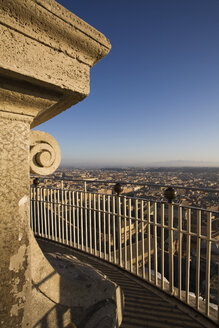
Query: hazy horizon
point(177, 163)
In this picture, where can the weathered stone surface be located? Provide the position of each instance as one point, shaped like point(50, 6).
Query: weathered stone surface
point(45, 154)
point(77, 293)
point(51, 50)
point(15, 285)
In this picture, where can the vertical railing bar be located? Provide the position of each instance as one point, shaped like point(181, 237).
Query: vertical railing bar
point(130, 232)
point(66, 219)
point(38, 211)
point(170, 228)
point(78, 220)
point(82, 221)
point(136, 234)
point(90, 223)
point(62, 214)
point(155, 244)
point(59, 220)
point(198, 254)
point(85, 210)
point(208, 264)
point(44, 211)
point(55, 210)
point(142, 239)
point(74, 221)
point(125, 232)
point(49, 213)
point(41, 212)
point(188, 247)
point(52, 212)
point(48, 216)
point(34, 209)
point(70, 216)
point(109, 229)
point(95, 226)
point(114, 230)
point(31, 209)
point(99, 223)
point(119, 230)
point(149, 241)
point(104, 226)
point(162, 246)
point(55, 214)
point(180, 252)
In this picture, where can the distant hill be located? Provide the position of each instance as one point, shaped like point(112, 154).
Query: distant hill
point(181, 163)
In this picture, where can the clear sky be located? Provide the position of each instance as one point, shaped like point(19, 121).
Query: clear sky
point(155, 96)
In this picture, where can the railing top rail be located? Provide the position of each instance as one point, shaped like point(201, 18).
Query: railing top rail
point(134, 198)
point(132, 183)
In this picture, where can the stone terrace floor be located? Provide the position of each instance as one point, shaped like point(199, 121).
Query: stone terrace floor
point(145, 305)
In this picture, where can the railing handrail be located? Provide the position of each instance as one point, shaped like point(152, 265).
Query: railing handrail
point(131, 183)
point(149, 198)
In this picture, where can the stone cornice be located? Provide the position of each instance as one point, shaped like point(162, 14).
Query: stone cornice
point(45, 57)
point(51, 24)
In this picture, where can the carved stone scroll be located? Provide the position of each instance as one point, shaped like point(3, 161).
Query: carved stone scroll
point(45, 154)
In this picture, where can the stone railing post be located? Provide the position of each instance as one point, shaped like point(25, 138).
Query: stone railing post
point(45, 57)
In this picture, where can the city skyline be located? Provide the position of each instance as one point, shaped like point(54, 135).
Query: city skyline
point(154, 98)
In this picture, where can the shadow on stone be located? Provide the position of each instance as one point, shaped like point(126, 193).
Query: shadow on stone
point(68, 293)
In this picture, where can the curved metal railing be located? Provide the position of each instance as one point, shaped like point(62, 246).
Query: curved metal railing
point(171, 246)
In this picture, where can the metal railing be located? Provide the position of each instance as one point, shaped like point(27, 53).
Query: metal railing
point(171, 246)
point(93, 181)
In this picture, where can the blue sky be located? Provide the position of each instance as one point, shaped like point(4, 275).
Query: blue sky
point(155, 97)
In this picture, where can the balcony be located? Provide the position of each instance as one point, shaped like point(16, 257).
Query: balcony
point(163, 255)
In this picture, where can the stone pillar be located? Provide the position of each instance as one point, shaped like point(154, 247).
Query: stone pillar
point(15, 280)
point(46, 54)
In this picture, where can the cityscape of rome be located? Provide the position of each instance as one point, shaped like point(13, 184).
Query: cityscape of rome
point(152, 182)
